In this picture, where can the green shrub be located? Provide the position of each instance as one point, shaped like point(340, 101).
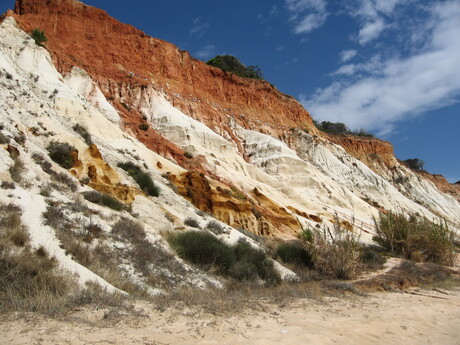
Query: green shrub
point(294, 253)
point(104, 199)
point(231, 64)
point(414, 163)
point(188, 155)
point(240, 261)
point(203, 249)
point(252, 263)
point(83, 132)
point(372, 257)
point(38, 36)
point(339, 128)
point(61, 153)
point(416, 238)
point(143, 179)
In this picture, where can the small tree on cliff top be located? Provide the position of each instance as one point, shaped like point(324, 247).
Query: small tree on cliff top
point(38, 36)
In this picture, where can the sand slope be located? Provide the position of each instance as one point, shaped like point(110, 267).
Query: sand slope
point(424, 317)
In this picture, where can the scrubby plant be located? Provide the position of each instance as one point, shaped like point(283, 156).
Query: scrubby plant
point(143, 126)
point(8, 185)
point(129, 229)
point(214, 227)
point(231, 64)
point(416, 238)
point(373, 257)
point(4, 139)
point(339, 128)
point(414, 163)
point(104, 199)
point(17, 170)
point(294, 253)
point(192, 222)
point(61, 153)
point(38, 36)
point(252, 264)
point(20, 139)
point(240, 261)
point(336, 253)
point(83, 132)
point(188, 155)
point(66, 180)
point(143, 179)
point(203, 249)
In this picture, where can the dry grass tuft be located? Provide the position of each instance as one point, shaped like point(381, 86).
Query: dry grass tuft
point(336, 254)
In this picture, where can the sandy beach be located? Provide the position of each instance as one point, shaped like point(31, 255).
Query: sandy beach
point(414, 317)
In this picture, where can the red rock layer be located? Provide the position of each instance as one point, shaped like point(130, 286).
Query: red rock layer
point(367, 150)
point(114, 53)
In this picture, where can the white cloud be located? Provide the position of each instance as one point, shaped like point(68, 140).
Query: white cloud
point(206, 52)
point(199, 27)
point(372, 16)
point(371, 30)
point(380, 92)
point(347, 55)
point(307, 15)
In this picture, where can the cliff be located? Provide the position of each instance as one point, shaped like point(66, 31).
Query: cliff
point(234, 147)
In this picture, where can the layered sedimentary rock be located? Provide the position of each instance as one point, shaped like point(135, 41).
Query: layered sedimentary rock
point(234, 147)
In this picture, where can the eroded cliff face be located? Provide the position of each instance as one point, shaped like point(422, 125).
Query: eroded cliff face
point(234, 147)
point(122, 59)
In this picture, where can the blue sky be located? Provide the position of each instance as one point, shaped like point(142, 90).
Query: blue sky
point(389, 66)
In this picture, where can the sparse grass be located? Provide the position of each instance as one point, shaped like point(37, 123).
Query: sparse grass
point(61, 153)
point(104, 199)
point(191, 222)
point(240, 261)
point(76, 240)
point(239, 297)
point(28, 279)
point(151, 260)
point(143, 179)
point(416, 238)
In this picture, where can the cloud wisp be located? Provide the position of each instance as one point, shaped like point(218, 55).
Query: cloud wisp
point(205, 52)
point(379, 92)
point(307, 15)
point(347, 55)
point(199, 27)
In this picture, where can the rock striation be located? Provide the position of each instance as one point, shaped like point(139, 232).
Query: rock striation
point(236, 148)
